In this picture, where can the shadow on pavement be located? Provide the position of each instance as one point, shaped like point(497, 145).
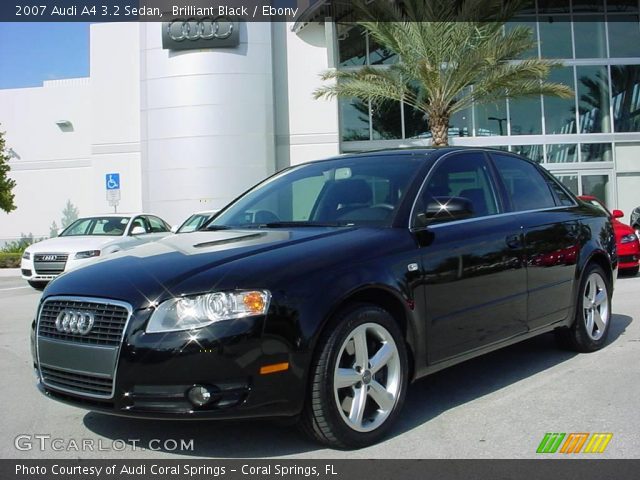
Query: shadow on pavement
point(426, 399)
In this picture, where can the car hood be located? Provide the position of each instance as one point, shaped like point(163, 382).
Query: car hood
point(182, 264)
point(71, 244)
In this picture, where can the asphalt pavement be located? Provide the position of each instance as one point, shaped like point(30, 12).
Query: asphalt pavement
point(497, 406)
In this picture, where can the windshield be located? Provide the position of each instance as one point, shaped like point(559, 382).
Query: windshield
point(346, 191)
point(107, 226)
point(194, 222)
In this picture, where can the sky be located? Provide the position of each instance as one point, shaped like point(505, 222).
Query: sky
point(33, 52)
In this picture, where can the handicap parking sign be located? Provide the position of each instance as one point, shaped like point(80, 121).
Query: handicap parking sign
point(112, 181)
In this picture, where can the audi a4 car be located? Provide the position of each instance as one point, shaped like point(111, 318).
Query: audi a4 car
point(85, 240)
point(627, 241)
point(322, 292)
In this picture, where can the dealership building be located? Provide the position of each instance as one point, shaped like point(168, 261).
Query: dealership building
point(189, 126)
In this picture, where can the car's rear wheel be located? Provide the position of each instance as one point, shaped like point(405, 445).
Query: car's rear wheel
point(358, 379)
point(37, 285)
point(593, 313)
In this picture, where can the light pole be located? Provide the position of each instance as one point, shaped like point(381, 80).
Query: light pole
point(499, 120)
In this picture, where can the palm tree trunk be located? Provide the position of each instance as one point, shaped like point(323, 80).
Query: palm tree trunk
point(439, 131)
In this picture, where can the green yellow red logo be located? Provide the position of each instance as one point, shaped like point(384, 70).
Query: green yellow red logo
point(577, 442)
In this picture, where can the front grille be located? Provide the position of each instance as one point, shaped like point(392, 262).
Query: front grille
point(76, 382)
point(107, 329)
point(49, 263)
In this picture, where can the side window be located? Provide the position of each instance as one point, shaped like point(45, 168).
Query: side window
point(563, 198)
point(138, 222)
point(463, 175)
point(526, 187)
point(157, 225)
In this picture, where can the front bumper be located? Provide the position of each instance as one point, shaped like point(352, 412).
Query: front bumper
point(628, 255)
point(29, 271)
point(154, 372)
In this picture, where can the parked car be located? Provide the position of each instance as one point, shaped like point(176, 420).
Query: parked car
point(195, 221)
point(635, 220)
point(86, 239)
point(626, 238)
point(321, 293)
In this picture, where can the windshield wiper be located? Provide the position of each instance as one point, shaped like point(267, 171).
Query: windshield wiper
point(213, 228)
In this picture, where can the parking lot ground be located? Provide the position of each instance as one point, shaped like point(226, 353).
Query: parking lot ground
point(496, 406)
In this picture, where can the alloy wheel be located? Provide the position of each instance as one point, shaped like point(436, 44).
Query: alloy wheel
point(367, 377)
point(595, 305)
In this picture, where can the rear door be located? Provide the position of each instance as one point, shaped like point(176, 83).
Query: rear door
point(551, 237)
point(474, 277)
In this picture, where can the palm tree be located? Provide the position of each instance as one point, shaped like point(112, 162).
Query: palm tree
point(452, 54)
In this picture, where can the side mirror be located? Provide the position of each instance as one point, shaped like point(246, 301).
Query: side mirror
point(617, 214)
point(137, 230)
point(441, 209)
point(174, 228)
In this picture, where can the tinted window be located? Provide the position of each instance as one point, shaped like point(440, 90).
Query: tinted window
point(463, 175)
point(526, 187)
point(360, 191)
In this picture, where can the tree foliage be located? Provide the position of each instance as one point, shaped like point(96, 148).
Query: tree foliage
point(452, 54)
point(7, 197)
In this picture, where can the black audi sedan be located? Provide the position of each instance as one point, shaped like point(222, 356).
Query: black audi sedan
point(322, 292)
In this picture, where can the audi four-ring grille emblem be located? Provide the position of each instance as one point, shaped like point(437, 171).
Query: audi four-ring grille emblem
point(74, 321)
point(204, 29)
point(50, 258)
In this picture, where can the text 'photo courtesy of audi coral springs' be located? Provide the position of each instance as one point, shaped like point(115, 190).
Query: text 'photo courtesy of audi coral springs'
point(322, 292)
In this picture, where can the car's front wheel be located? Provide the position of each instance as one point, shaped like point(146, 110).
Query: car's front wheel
point(593, 313)
point(358, 379)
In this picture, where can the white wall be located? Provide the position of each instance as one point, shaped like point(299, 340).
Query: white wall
point(306, 129)
point(52, 166)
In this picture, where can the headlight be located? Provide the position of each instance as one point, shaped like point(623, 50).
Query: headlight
point(87, 254)
point(629, 238)
point(26, 255)
point(187, 313)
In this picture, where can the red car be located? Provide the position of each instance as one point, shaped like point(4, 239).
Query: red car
point(626, 238)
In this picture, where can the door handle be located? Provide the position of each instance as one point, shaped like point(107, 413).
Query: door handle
point(513, 241)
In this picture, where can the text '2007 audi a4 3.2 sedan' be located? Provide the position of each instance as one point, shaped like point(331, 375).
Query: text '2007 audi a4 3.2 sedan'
point(323, 291)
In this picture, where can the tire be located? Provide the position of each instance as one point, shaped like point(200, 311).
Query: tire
point(360, 332)
point(593, 313)
point(37, 285)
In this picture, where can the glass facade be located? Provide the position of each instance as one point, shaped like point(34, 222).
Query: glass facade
point(578, 139)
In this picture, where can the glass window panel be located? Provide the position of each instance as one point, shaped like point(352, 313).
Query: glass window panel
point(593, 99)
point(596, 152)
point(555, 36)
point(597, 186)
point(625, 86)
point(560, 113)
point(525, 116)
point(491, 119)
point(379, 55)
point(416, 123)
point(531, 24)
point(588, 5)
point(569, 181)
point(387, 123)
point(532, 152)
point(562, 153)
point(614, 6)
point(352, 45)
point(589, 34)
point(624, 36)
point(354, 120)
point(553, 6)
point(460, 124)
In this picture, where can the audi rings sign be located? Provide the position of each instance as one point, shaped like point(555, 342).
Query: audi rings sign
point(193, 33)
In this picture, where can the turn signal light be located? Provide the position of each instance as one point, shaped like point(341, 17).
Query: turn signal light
point(274, 367)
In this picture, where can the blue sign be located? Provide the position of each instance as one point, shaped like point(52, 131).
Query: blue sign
point(112, 181)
